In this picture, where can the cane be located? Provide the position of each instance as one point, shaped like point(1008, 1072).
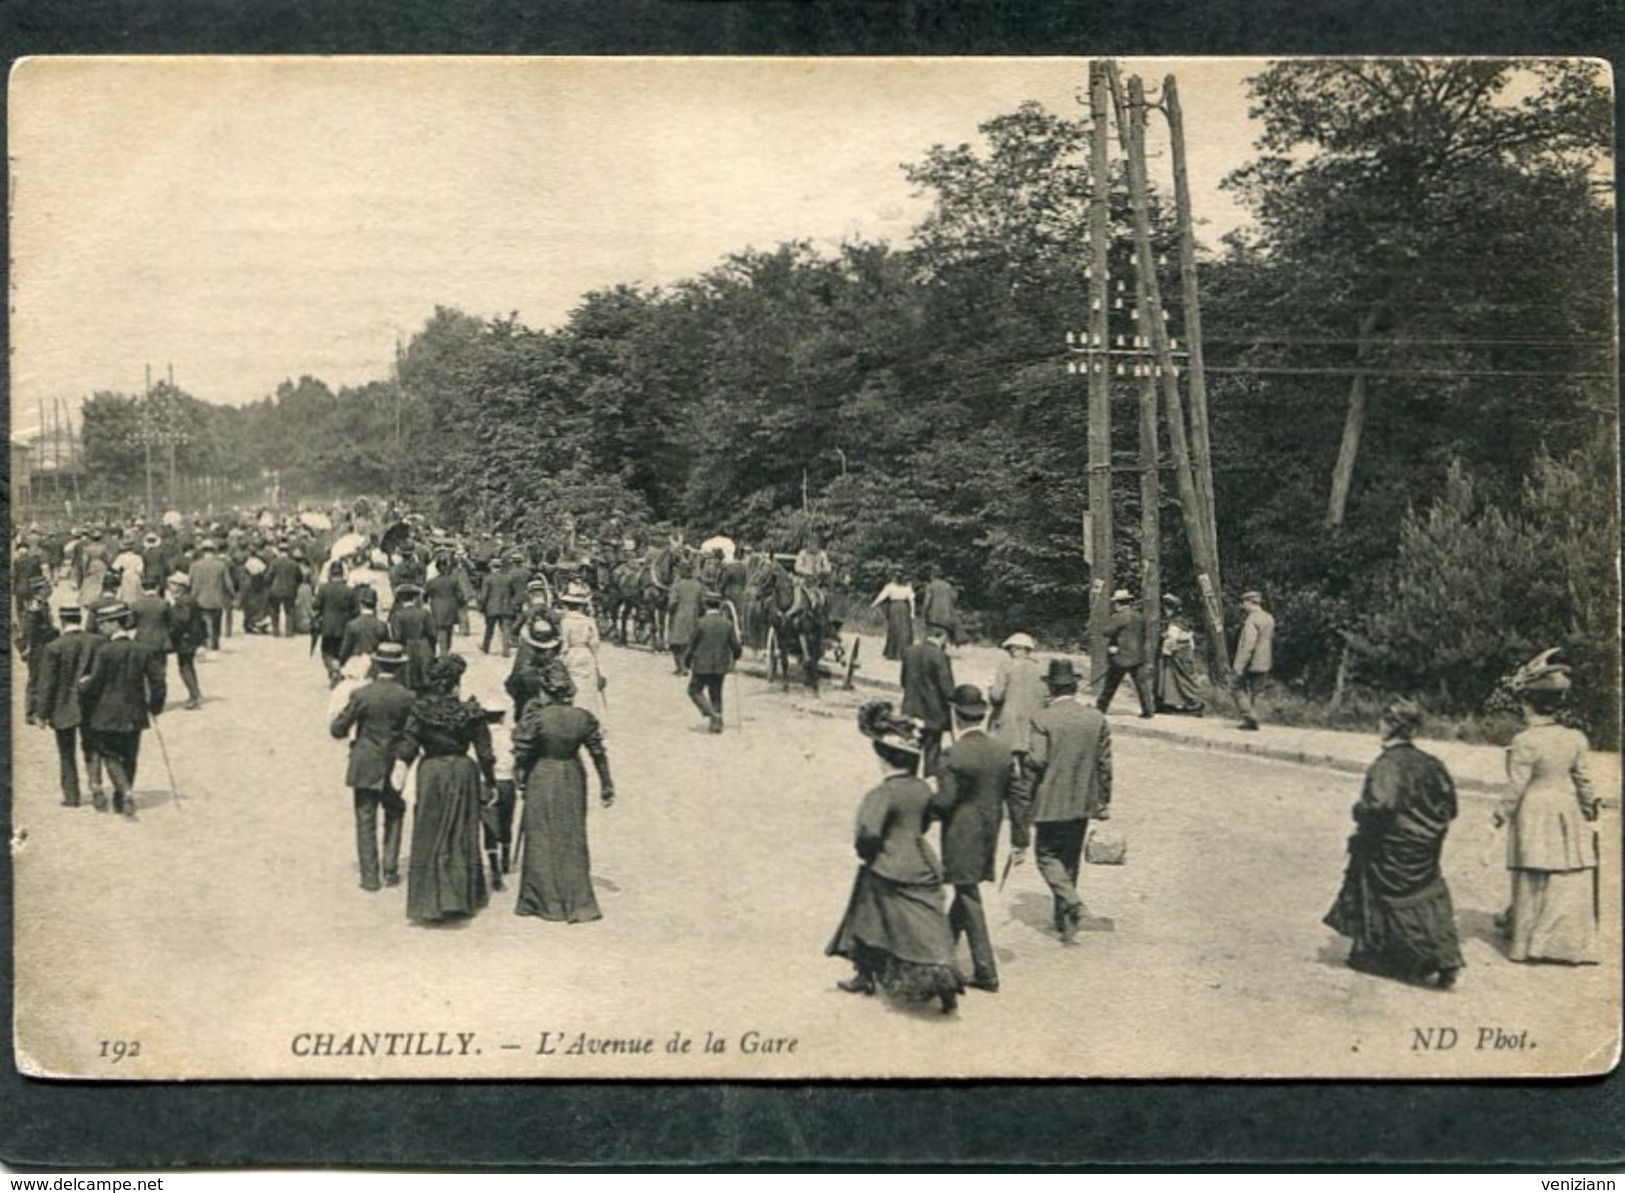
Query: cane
point(174, 787)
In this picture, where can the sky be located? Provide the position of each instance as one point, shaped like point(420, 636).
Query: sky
point(248, 220)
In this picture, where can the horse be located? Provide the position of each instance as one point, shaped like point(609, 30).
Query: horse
point(639, 604)
point(800, 634)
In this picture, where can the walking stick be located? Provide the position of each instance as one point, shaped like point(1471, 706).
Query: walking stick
point(174, 787)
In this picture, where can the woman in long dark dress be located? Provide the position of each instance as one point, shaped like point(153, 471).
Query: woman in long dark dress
point(898, 600)
point(446, 877)
point(1394, 904)
point(895, 930)
point(556, 878)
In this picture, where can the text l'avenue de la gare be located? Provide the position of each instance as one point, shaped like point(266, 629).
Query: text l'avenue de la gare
point(449, 1045)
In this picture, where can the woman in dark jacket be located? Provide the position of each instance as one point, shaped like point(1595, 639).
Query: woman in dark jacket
point(895, 931)
point(556, 882)
point(446, 876)
point(1394, 904)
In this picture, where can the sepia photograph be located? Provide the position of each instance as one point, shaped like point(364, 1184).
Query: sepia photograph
point(832, 568)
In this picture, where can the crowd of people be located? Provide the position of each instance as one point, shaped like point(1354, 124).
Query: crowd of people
point(100, 609)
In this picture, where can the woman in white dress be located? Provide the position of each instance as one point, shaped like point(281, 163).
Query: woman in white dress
point(1551, 834)
point(579, 633)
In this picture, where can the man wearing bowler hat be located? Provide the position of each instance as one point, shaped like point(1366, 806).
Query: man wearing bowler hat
point(711, 655)
point(1126, 654)
point(1072, 759)
point(378, 713)
point(122, 689)
point(973, 785)
point(928, 686)
point(336, 606)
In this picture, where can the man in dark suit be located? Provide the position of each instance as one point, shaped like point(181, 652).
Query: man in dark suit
point(364, 631)
point(283, 575)
point(444, 598)
point(939, 606)
point(187, 632)
point(501, 596)
point(711, 655)
point(928, 688)
point(150, 614)
point(1072, 758)
point(377, 713)
point(1126, 654)
point(336, 606)
point(973, 786)
point(55, 703)
point(35, 631)
point(123, 689)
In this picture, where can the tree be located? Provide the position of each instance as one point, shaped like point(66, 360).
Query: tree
point(1436, 217)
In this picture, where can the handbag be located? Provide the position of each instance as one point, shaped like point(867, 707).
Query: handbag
point(1105, 846)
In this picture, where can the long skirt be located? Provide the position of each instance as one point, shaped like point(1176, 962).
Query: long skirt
point(1554, 916)
point(899, 628)
point(446, 877)
point(556, 882)
point(1176, 682)
point(899, 934)
point(1405, 936)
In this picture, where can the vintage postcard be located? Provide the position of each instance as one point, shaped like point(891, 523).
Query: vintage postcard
point(699, 568)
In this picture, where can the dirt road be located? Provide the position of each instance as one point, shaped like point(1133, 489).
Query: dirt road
point(223, 933)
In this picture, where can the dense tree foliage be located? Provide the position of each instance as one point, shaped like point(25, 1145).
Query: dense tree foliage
point(1411, 387)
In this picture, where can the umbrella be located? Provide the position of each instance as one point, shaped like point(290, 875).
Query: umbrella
point(347, 545)
point(395, 536)
point(173, 519)
point(720, 542)
point(315, 521)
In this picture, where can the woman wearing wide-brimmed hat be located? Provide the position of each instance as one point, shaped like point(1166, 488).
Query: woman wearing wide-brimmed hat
point(895, 930)
point(446, 877)
point(1394, 903)
point(1552, 844)
point(556, 882)
point(578, 636)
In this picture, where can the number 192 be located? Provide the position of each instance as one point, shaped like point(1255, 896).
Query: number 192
point(117, 1050)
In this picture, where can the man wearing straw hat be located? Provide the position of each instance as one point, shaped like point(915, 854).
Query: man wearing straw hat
point(1072, 759)
point(1126, 654)
point(378, 713)
point(55, 703)
point(186, 633)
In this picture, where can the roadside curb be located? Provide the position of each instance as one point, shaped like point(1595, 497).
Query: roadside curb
point(1131, 727)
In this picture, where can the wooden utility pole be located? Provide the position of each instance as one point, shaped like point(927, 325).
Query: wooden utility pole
point(1201, 446)
point(1100, 416)
point(1150, 478)
point(1154, 330)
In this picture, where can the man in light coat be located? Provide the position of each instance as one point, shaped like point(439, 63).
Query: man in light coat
point(1072, 759)
point(1255, 656)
